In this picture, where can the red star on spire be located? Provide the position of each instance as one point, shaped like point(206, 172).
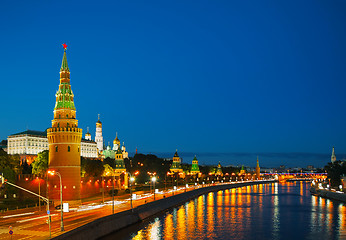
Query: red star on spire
point(64, 45)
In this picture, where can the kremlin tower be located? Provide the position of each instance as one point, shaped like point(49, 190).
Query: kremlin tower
point(194, 167)
point(219, 170)
point(333, 157)
point(257, 170)
point(175, 167)
point(98, 135)
point(64, 140)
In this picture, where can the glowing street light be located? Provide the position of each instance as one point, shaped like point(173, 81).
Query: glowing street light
point(154, 180)
point(61, 212)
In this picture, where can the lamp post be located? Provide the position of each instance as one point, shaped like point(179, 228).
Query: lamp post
point(154, 179)
point(61, 212)
point(131, 180)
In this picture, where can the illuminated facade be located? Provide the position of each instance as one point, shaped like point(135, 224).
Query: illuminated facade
point(64, 140)
point(98, 135)
point(242, 170)
point(176, 164)
point(195, 167)
point(29, 143)
point(219, 170)
point(111, 153)
point(257, 170)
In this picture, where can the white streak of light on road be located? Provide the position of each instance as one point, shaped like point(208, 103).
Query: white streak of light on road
point(18, 215)
point(27, 220)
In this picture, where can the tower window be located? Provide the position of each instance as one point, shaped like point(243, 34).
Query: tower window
point(78, 149)
point(68, 148)
point(59, 116)
point(56, 148)
point(66, 115)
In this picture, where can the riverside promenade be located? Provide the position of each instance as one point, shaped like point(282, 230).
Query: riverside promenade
point(94, 219)
point(326, 193)
point(112, 223)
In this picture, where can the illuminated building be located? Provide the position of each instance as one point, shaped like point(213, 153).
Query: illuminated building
point(64, 139)
point(119, 163)
point(219, 170)
point(88, 135)
point(98, 135)
point(195, 167)
point(116, 142)
point(333, 157)
point(242, 170)
point(175, 167)
point(257, 170)
point(28, 143)
point(111, 153)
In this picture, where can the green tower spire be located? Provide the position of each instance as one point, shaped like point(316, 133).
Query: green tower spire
point(64, 66)
point(64, 95)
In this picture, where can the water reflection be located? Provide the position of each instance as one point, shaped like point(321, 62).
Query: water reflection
point(272, 211)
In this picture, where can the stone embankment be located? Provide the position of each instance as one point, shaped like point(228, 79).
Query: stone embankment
point(328, 194)
point(106, 225)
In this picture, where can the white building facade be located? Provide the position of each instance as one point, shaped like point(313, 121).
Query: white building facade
point(32, 142)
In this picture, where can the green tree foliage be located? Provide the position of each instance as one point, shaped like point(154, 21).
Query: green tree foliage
point(108, 170)
point(92, 168)
point(11, 162)
point(40, 165)
point(335, 171)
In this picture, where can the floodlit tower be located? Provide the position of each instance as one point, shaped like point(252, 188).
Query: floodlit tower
point(175, 167)
point(98, 134)
point(333, 157)
point(64, 139)
point(257, 170)
point(194, 167)
point(219, 170)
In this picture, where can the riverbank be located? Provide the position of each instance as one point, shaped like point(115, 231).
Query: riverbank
point(339, 196)
point(109, 224)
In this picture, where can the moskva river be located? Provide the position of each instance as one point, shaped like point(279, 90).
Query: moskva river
point(270, 211)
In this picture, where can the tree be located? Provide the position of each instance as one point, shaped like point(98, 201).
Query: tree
point(9, 161)
point(335, 170)
point(40, 165)
point(26, 168)
point(92, 168)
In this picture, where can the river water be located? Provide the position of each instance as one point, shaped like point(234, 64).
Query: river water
point(270, 211)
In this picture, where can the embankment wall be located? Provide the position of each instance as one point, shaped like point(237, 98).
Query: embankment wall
point(328, 194)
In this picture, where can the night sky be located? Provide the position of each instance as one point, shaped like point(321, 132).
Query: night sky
point(225, 80)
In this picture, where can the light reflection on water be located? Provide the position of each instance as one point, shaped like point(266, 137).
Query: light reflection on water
point(271, 211)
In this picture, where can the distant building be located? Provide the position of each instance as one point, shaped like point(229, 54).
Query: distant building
point(258, 170)
point(219, 170)
point(242, 170)
point(333, 157)
point(98, 135)
point(111, 152)
point(194, 167)
point(176, 164)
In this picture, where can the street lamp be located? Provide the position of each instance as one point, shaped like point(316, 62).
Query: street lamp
point(154, 179)
point(61, 212)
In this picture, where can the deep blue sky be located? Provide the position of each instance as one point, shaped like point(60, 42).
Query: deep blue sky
point(200, 76)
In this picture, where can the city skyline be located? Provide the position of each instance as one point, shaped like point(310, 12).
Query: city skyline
point(224, 77)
